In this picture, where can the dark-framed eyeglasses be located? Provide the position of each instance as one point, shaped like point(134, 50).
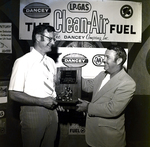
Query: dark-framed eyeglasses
point(50, 38)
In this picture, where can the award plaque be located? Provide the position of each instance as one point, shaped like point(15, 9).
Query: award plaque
point(68, 86)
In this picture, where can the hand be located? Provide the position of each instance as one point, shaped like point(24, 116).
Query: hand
point(82, 106)
point(60, 108)
point(49, 103)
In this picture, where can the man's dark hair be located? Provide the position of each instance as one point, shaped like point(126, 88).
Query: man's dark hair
point(120, 52)
point(40, 30)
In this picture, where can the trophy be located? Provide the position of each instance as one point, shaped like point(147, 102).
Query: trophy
point(68, 86)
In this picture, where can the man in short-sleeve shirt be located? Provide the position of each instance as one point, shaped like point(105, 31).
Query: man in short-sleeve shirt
point(32, 84)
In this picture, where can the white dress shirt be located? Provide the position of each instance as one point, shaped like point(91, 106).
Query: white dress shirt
point(30, 75)
point(105, 80)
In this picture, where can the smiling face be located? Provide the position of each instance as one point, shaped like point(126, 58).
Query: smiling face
point(110, 63)
point(44, 42)
point(47, 41)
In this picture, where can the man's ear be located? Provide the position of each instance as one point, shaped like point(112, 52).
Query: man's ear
point(38, 37)
point(119, 61)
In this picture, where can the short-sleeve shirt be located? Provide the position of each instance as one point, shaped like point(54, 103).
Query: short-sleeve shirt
point(31, 76)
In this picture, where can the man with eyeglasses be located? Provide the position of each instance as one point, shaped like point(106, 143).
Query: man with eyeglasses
point(32, 84)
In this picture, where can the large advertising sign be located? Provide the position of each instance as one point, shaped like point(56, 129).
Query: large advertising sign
point(117, 21)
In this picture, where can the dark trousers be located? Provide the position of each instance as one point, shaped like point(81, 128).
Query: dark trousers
point(38, 126)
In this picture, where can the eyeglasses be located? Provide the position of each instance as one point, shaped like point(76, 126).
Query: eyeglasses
point(50, 38)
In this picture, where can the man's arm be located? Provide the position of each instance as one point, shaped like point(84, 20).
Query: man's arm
point(116, 105)
point(111, 108)
point(26, 99)
point(87, 85)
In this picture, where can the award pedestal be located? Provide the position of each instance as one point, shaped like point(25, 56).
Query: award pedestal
point(68, 86)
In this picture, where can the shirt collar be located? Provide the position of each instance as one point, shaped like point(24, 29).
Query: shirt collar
point(37, 55)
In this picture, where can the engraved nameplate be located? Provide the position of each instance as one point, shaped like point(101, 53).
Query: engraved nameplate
point(68, 77)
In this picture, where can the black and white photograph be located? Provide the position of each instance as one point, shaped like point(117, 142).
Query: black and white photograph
point(74, 73)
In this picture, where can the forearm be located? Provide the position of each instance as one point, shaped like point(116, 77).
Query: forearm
point(113, 102)
point(24, 98)
point(111, 108)
point(106, 110)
